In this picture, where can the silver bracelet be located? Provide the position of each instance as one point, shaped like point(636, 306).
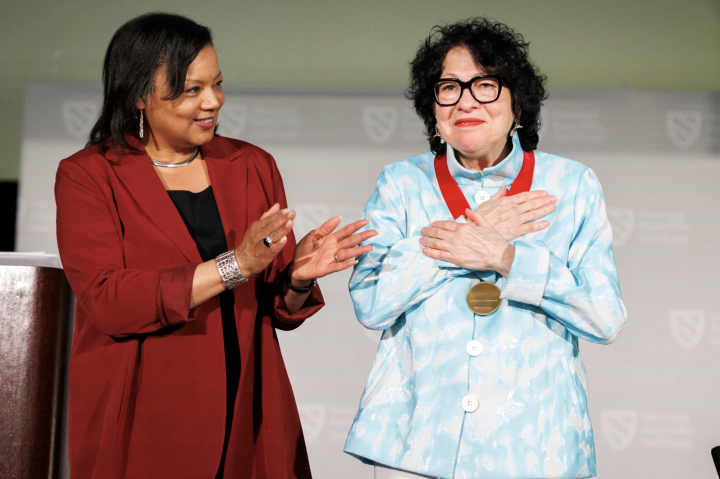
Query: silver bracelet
point(229, 270)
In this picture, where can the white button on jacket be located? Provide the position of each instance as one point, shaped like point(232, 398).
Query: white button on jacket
point(481, 197)
point(470, 403)
point(474, 348)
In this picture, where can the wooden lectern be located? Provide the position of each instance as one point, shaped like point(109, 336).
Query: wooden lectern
point(35, 314)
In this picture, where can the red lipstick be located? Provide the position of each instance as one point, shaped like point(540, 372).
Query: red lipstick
point(467, 122)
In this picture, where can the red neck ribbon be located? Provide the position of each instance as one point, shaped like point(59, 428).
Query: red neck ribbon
point(453, 195)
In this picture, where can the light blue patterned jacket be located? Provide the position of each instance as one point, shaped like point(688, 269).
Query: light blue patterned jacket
point(532, 420)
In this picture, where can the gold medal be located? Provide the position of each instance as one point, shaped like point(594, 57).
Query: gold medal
point(484, 298)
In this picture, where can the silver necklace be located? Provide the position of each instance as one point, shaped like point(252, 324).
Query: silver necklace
point(176, 165)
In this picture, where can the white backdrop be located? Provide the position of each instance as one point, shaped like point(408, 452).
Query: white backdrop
point(654, 393)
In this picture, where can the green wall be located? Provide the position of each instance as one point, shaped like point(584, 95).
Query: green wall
point(656, 44)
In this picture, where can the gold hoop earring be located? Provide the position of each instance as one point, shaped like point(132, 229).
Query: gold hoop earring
point(516, 126)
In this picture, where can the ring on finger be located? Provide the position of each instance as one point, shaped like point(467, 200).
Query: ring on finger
point(336, 258)
point(267, 241)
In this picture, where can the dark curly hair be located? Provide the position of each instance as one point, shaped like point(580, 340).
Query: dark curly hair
point(500, 50)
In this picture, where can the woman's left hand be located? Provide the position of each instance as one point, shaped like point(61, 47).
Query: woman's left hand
point(322, 252)
point(477, 247)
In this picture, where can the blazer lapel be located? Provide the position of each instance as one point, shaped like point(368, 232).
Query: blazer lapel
point(229, 177)
point(229, 183)
point(139, 177)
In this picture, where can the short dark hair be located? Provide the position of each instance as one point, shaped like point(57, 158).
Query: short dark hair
point(500, 50)
point(136, 51)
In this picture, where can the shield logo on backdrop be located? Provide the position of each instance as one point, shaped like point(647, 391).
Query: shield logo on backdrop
point(233, 120)
point(687, 326)
point(310, 216)
point(683, 127)
point(380, 122)
point(622, 222)
point(619, 428)
point(312, 417)
point(79, 116)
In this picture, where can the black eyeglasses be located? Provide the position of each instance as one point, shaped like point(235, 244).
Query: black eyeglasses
point(484, 88)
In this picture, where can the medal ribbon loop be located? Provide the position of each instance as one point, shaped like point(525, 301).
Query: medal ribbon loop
point(453, 195)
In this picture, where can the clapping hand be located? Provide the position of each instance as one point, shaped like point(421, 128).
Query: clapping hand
point(322, 252)
point(253, 255)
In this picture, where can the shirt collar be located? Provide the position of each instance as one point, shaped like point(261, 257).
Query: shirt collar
point(502, 174)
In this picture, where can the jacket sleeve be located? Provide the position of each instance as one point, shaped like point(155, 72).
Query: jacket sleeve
point(395, 275)
point(274, 276)
point(582, 293)
point(118, 301)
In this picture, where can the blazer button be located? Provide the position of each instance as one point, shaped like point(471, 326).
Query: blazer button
point(474, 348)
point(470, 403)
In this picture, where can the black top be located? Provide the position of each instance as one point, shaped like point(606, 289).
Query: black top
point(200, 214)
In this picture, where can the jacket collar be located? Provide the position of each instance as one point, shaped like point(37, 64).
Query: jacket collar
point(228, 179)
point(502, 174)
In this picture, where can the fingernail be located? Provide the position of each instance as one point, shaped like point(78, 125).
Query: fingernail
point(284, 239)
point(288, 224)
point(339, 216)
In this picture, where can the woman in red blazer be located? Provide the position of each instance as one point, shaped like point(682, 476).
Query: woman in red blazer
point(172, 374)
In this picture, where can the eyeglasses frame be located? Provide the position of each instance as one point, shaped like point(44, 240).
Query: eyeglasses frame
point(467, 85)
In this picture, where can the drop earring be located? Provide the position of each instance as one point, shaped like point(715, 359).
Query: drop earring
point(141, 123)
point(438, 135)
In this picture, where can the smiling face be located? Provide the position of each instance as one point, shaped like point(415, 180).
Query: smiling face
point(478, 132)
point(189, 120)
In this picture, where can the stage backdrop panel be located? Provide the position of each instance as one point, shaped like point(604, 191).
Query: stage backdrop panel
point(653, 393)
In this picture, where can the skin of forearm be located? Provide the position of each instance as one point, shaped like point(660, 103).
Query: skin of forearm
point(207, 283)
point(294, 301)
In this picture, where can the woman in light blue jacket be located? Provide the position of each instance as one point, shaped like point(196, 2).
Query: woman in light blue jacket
point(478, 373)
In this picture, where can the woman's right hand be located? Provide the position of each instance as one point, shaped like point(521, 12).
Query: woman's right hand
point(252, 255)
point(513, 216)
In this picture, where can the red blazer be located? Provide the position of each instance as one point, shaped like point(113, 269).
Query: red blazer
point(147, 373)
